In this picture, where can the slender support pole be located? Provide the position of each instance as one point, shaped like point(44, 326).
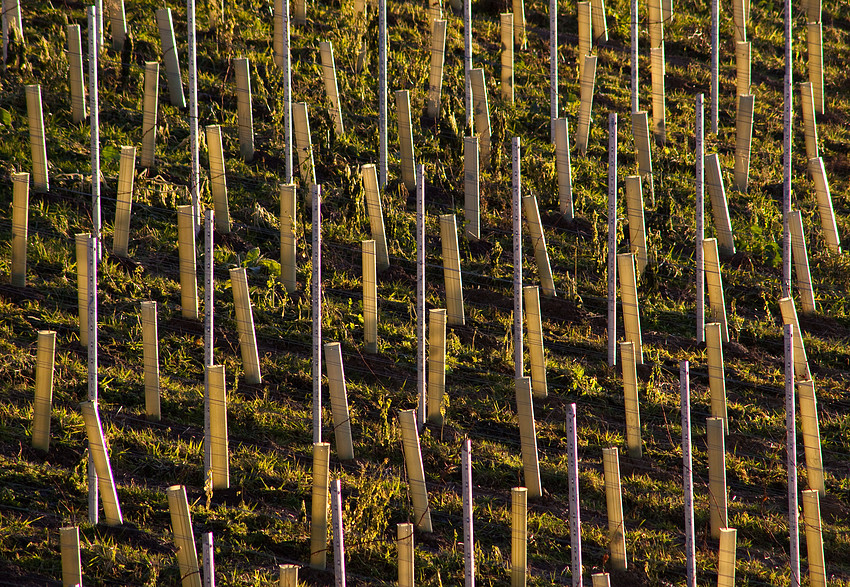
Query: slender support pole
point(612, 239)
point(516, 199)
point(553, 65)
point(715, 63)
point(791, 454)
point(688, 474)
point(420, 296)
point(700, 217)
point(194, 155)
point(468, 536)
point(575, 504)
point(467, 64)
point(382, 92)
point(209, 288)
point(787, 141)
point(316, 295)
point(286, 63)
point(208, 559)
point(94, 121)
point(633, 13)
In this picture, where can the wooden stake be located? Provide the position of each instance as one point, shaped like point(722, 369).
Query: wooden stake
point(69, 545)
point(288, 576)
point(825, 211)
point(714, 280)
point(375, 211)
point(628, 295)
point(630, 391)
point(405, 137)
point(814, 538)
point(719, 208)
point(451, 270)
point(218, 178)
point(716, 373)
point(726, 557)
point(482, 114)
point(82, 243)
point(76, 80)
point(38, 147)
point(789, 317)
point(100, 455)
point(184, 536)
point(339, 401)
point(123, 206)
point(801, 263)
point(415, 470)
point(506, 21)
point(536, 353)
point(405, 554)
point(43, 404)
point(288, 239)
point(245, 326)
point(149, 114)
point(588, 79)
point(150, 346)
point(659, 124)
point(319, 506)
point(303, 146)
point(170, 57)
point(637, 227)
point(600, 21)
point(187, 255)
point(809, 120)
point(528, 436)
point(743, 140)
point(538, 241)
point(814, 32)
point(565, 172)
point(435, 77)
point(716, 475)
point(436, 365)
point(370, 298)
point(326, 49)
point(614, 501)
point(743, 59)
point(519, 536)
point(643, 150)
point(20, 222)
point(471, 188)
point(811, 435)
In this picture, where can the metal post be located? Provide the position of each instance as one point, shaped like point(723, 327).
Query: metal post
point(208, 557)
point(420, 294)
point(687, 473)
point(382, 92)
point(467, 64)
point(575, 511)
point(95, 126)
point(287, 94)
point(194, 172)
point(553, 66)
point(700, 215)
point(468, 544)
point(787, 120)
point(715, 62)
point(316, 293)
point(612, 239)
point(634, 56)
point(791, 452)
point(339, 538)
point(517, 253)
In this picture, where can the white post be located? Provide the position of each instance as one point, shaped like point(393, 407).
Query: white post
point(339, 538)
point(700, 217)
point(791, 451)
point(715, 62)
point(209, 285)
point(91, 323)
point(195, 165)
point(208, 559)
point(420, 295)
point(382, 92)
point(468, 539)
point(467, 63)
point(94, 121)
point(612, 239)
point(575, 505)
point(688, 474)
point(633, 11)
point(787, 140)
point(287, 92)
point(316, 295)
point(517, 254)
point(553, 66)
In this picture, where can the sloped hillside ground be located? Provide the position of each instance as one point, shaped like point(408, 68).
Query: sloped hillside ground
point(263, 521)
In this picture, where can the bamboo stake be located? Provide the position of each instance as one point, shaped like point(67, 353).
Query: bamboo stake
point(716, 475)
point(170, 57)
point(435, 77)
point(643, 150)
point(536, 353)
point(528, 436)
point(319, 506)
point(150, 346)
point(632, 402)
point(809, 120)
point(599, 20)
point(659, 125)
point(825, 211)
point(288, 576)
point(184, 536)
point(82, 243)
point(123, 206)
point(38, 147)
point(187, 255)
point(471, 188)
point(743, 141)
point(405, 554)
point(326, 50)
point(303, 146)
point(100, 455)
point(149, 114)
point(42, 406)
point(714, 281)
point(375, 212)
point(20, 222)
point(370, 298)
point(716, 373)
point(811, 435)
point(506, 21)
point(637, 226)
point(339, 401)
point(801, 263)
point(245, 326)
point(436, 364)
point(628, 295)
point(538, 241)
point(743, 60)
point(588, 79)
point(69, 541)
point(814, 35)
point(562, 163)
point(789, 317)
point(726, 557)
point(482, 114)
point(415, 470)
point(405, 137)
point(814, 538)
point(245, 115)
point(451, 270)
point(76, 80)
point(614, 501)
point(519, 536)
point(218, 178)
point(217, 439)
point(585, 33)
point(719, 207)
point(288, 240)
